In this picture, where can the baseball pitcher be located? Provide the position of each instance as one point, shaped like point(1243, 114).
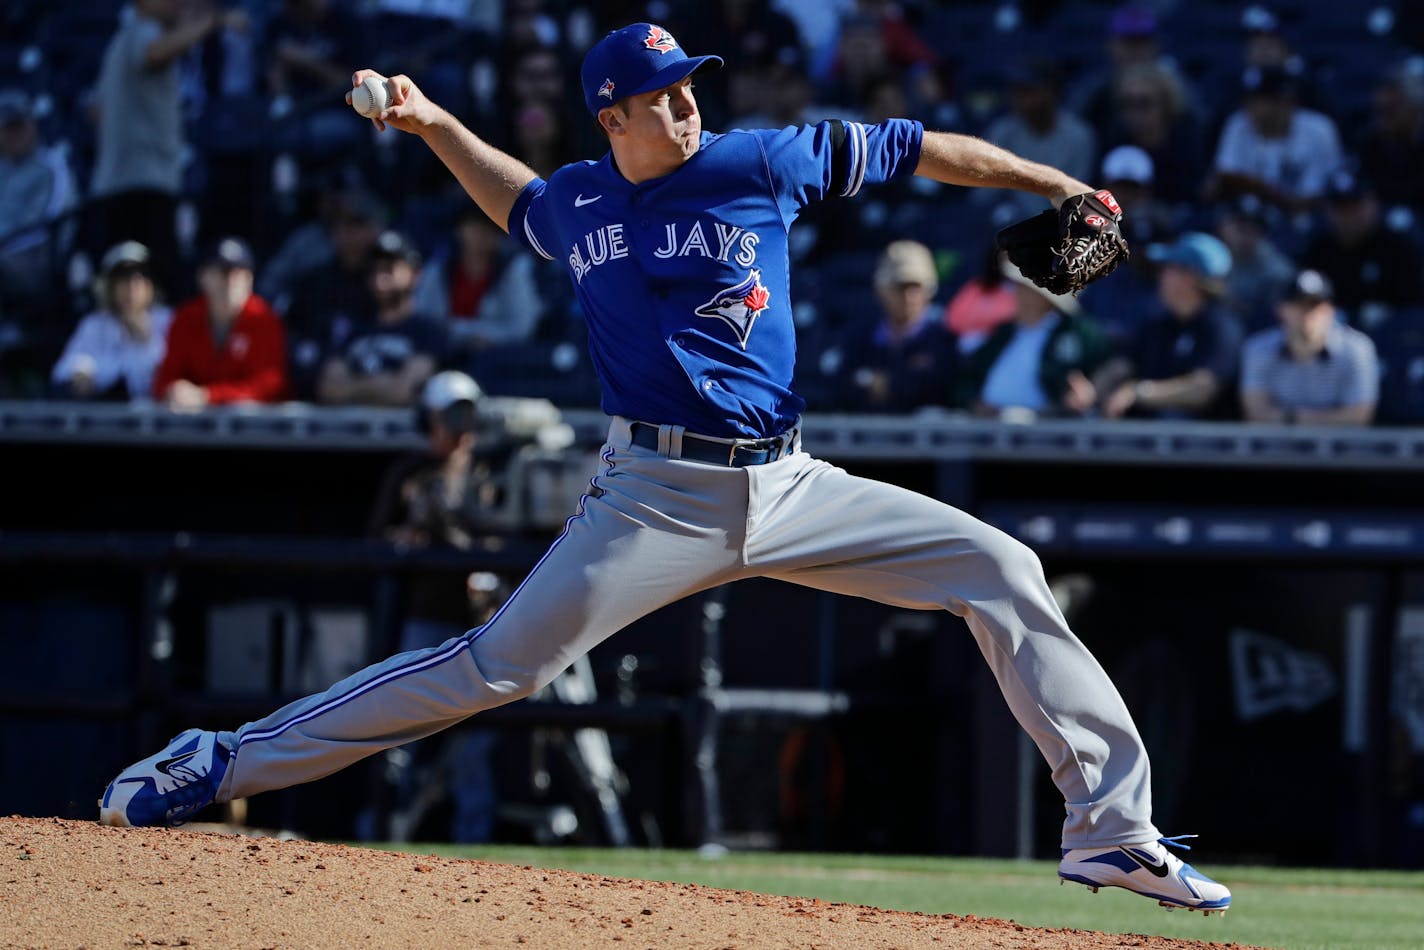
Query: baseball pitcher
point(676, 244)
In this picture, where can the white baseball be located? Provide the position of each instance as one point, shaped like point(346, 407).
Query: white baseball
point(372, 97)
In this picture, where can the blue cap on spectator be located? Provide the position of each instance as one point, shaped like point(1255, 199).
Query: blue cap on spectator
point(634, 60)
point(230, 253)
point(1133, 20)
point(1196, 251)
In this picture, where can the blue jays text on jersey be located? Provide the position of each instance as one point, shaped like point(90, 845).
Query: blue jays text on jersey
point(684, 279)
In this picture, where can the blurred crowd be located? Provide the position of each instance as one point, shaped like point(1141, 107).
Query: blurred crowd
point(193, 215)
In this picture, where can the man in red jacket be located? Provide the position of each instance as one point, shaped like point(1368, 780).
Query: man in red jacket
point(227, 345)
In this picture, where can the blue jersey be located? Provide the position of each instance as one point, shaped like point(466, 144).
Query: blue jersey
point(684, 279)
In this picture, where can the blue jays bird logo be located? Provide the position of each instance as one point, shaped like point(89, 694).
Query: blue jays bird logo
point(739, 306)
point(660, 40)
point(606, 90)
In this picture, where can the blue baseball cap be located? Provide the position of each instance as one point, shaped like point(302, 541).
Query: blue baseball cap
point(1196, 251)
point(636, 59)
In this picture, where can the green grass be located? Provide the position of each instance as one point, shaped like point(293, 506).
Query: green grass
point(1294, 909)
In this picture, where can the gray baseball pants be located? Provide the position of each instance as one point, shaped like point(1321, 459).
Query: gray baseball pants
point(654, 529)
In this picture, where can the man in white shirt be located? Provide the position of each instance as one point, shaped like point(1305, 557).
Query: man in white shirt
point(115, 350)
point(1273, 148)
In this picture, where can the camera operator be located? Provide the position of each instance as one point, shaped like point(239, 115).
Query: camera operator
point(448, 497)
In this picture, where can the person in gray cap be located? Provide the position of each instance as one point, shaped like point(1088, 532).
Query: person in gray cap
point(1313, 369)
point(36, 188)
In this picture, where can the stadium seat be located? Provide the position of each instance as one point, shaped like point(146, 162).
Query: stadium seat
point(558, 371)
point(1399, 341)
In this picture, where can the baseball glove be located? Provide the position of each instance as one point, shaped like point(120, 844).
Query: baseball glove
point(1065, 250)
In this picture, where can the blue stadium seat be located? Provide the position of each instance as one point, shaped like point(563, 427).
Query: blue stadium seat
point(559, 371)
point(1400, 343)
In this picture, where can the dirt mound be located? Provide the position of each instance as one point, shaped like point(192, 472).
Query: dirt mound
point(70, 883)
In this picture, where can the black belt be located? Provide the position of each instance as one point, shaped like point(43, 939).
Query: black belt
point(737, 453)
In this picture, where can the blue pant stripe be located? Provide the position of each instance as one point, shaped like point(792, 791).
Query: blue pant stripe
point(425, 663)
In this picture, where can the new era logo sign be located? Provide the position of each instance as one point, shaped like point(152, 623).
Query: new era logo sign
point(1270, 675)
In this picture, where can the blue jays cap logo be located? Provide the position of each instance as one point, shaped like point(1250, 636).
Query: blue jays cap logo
point(637, 59)
point(739, 306)
point(660, 40)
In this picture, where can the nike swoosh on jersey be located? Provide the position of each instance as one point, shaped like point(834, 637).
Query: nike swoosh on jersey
point(1157, 870)
point(580, 201)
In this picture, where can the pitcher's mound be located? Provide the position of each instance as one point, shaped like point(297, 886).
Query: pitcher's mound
point(73, 883)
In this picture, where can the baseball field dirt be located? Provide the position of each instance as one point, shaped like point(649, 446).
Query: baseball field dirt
point(77, 884)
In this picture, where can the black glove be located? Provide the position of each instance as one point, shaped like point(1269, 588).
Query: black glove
point(1064, 251)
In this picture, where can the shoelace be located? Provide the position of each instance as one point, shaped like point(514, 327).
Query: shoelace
point(1176, 841)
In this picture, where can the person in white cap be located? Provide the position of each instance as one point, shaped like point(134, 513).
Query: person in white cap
point(447, 496)
point(115, 350)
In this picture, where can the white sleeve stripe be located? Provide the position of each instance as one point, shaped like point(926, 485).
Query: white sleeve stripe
point(852, 157)
point(856, 175)
point(534, 242)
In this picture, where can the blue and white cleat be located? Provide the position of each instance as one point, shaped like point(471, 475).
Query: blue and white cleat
point(1147, 869)
point(169, 787)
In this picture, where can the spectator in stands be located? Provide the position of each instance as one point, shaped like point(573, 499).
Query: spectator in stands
point(906, 361)
point(1182, 362)
point(540, 137)
point(1372, 268)
point(1134, 39)
point(1267, 46)
point(331, 302)
point(387, 361)
point(116, 350)
point(1040, 129)
point(1392, 148)
point(782, 95)
point(36, 190)
point(983, 303)
point(226, 345)
point(313, 244)
point(861, 59)
point(1037, 364)
point(1122, 303)
point(138, 167)
point(1150, 111)
point(536, 75)
point(486, 289)
point(1273, 148)
point(311, 49)
point(1313, 369)
point(1131, 175)
point(1260, 271)
point(447, 498)
point(758, 37)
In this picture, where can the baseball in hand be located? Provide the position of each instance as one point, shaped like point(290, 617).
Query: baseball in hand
point(372, 97)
